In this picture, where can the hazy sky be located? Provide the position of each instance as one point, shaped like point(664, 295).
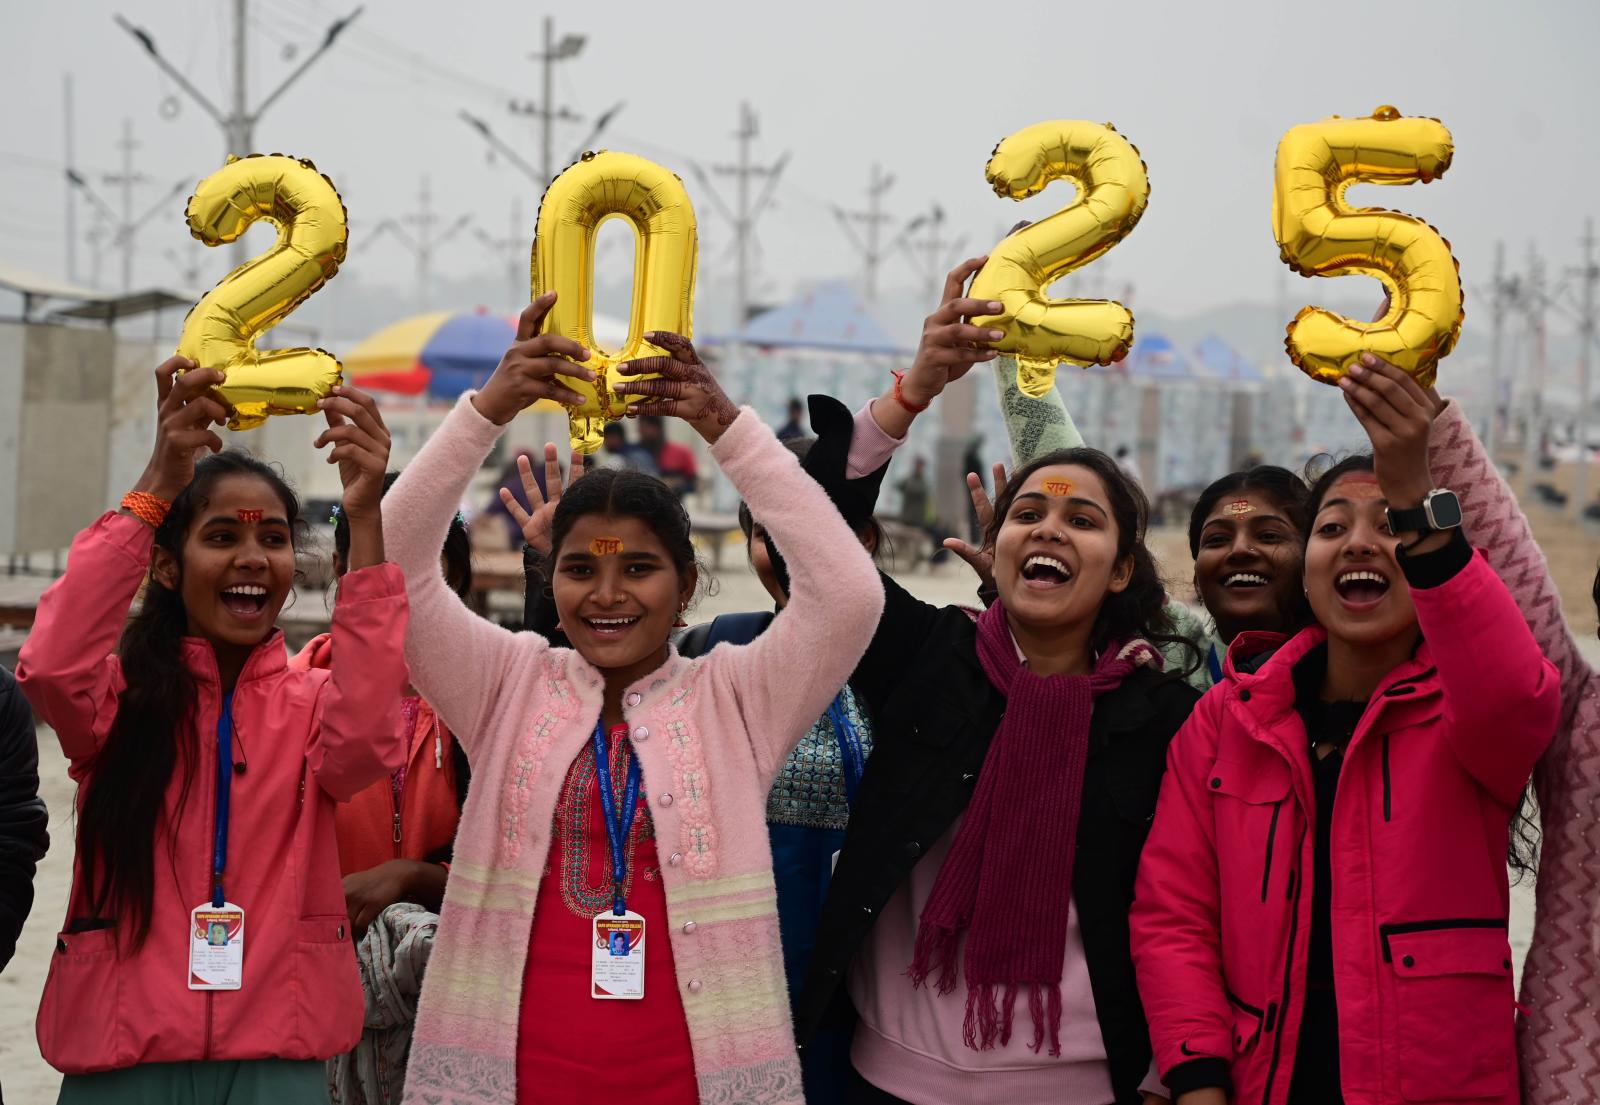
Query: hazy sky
point(926, 89)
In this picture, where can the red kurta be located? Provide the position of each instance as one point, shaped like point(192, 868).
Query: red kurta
point(572, 1047)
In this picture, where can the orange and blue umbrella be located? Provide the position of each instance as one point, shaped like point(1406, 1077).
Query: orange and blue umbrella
point(440, 355)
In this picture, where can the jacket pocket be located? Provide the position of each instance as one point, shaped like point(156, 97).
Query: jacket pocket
point(79, 1024)
point(1262, 788)
point(329, 1001)
point(1247, 1023)
point(1453, 998)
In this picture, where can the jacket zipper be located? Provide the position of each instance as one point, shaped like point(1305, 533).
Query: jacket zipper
point(1288, 970)
point(1388, 788)
point(1272, 833)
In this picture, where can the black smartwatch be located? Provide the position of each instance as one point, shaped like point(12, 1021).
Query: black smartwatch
point(1440, 510)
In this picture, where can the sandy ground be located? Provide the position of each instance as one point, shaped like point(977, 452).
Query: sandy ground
point(27, 1080)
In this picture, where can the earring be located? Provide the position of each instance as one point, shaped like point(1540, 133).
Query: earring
point(680, 623)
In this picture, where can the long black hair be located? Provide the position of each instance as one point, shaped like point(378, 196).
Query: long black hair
point(457, 544)
point(1522, 849)
point(1139, 609)
point(153, 731)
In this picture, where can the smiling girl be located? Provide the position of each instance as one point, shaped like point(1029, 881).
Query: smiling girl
point(208, 771)
point(616, 783)
point(1321, 909)
point(1003, 744)
point(1244, 535)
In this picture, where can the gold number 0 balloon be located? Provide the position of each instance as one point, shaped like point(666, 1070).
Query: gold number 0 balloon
point(1319, 234)
point(221, 329)
point(1112, 192)
point(602, 186)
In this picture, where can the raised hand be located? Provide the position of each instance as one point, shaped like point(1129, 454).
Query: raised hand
point(1397, 413)
point(528, 371)
point(535, 523)
point(950, 346)
point(185, 413)
point(360, 443)
point(980, 559)
point(686, 389)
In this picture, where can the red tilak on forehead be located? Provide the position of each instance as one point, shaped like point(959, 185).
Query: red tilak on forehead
point(1364, 478)
point(249, 515)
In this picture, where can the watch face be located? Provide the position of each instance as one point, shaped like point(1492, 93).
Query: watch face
point(1445, 508)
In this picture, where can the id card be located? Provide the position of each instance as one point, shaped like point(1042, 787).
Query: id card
point(216, 947)
point(618, 953)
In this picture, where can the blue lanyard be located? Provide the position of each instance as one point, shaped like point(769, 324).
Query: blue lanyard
point(1214, 664)
point(618, 822)
point(852, 756)
point(219, 848)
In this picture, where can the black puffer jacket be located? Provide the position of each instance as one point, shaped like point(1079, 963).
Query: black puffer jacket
point(24, 822)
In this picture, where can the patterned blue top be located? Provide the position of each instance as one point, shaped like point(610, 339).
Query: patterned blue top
point(809, 790)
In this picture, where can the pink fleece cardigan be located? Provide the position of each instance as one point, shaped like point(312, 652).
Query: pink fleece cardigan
point(1559, 1034)
point(710, 734)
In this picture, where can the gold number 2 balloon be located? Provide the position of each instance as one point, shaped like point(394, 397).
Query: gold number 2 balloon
point(1319, 234)
point(603, 186)
point(221, 329)
point(1112, 192)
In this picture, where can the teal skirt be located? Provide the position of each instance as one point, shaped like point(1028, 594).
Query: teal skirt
point(237, 1082)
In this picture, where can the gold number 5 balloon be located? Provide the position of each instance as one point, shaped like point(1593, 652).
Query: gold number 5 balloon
point(603, 186)
point(1112, 192)
point(1319, 234)
point(221, 329)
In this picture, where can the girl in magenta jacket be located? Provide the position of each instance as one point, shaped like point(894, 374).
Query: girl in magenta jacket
point(206, 954)
point(1321, 907)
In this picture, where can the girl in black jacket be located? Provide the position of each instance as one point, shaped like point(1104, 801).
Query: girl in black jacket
point(977, 919)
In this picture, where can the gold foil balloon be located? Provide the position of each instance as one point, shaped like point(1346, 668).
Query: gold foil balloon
point(603, 186)
point(1319, 234)
point(1112, 192)
point(221, 329)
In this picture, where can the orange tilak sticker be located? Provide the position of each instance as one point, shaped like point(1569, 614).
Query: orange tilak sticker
point(1058, 487)
point(1239, 506)
point(605, 546)
point(249, 515)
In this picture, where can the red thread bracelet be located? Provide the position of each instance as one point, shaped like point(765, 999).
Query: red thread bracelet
point(899, 396)
point(149, 509)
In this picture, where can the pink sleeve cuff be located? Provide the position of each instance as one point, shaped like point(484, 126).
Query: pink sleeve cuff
point(870, 445)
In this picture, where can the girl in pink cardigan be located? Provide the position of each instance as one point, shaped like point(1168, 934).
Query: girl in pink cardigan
point(565, 743)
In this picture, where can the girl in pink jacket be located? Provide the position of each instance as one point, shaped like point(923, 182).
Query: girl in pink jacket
point(206, 954)
point(1321, 907)
point(610, 927)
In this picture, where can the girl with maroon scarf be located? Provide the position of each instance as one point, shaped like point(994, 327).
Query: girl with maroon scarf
point(983, 950)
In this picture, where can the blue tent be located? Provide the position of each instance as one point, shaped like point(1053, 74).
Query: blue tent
point(1221, 361)
point(830, 316)
point(1156, 358)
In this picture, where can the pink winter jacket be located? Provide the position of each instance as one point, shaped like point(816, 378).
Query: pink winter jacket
point(1422, 964)
point(710, 734)
point(308, 739)
point(1560, 1031)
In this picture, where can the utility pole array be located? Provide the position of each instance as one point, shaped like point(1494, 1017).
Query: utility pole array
point(743, 215)
point(119, 230)
point(547, 111)
point(932, 254)
point(873, 219)
point(516, 247)
point(424, 241)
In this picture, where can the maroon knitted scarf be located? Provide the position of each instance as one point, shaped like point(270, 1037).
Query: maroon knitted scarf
point(1006, 880)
